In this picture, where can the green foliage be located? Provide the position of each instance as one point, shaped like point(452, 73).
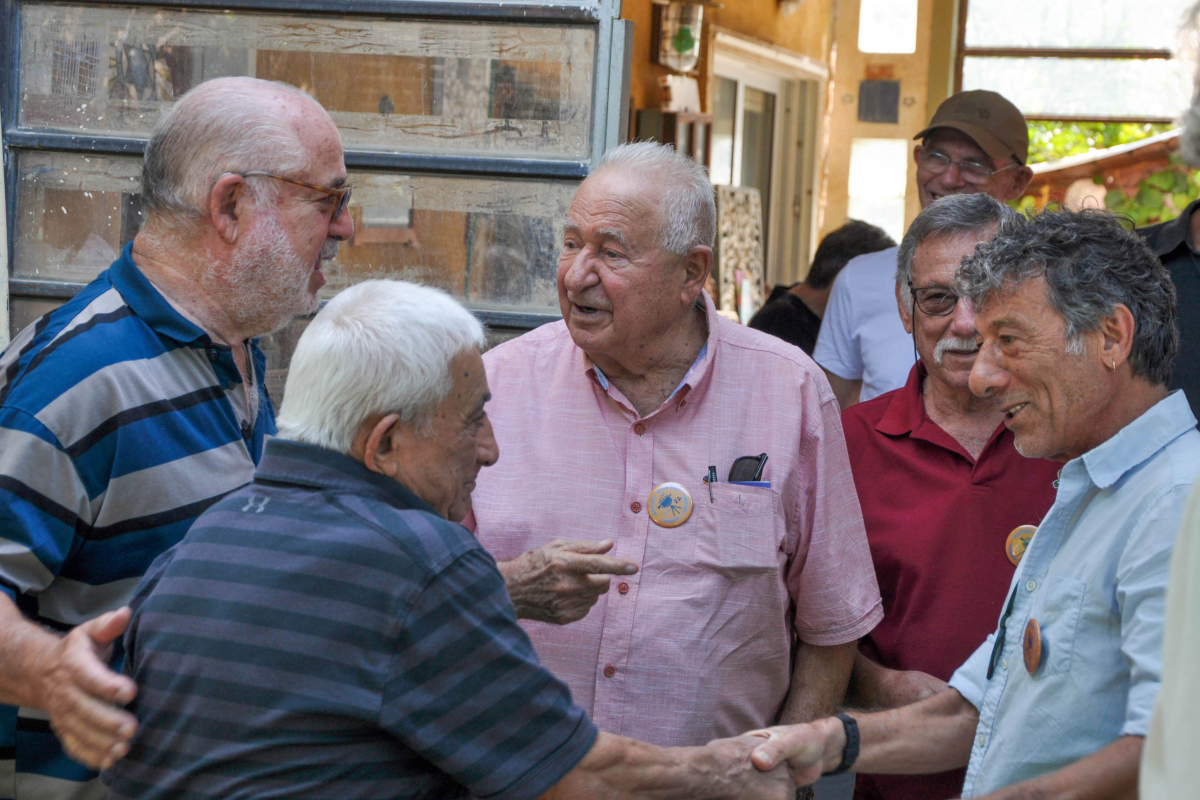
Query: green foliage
point(1160, 196)
point(1054, 139)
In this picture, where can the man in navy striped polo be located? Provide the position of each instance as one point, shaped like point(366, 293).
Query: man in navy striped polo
point(134, 407)
point(330, 630)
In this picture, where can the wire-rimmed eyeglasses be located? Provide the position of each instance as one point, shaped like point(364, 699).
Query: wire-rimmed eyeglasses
point(976, 172)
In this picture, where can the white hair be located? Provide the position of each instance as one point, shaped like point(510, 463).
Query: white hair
point(221, 125)
point(380, 347)
point(688, 210)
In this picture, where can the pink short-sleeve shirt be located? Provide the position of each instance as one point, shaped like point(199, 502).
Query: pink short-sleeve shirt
point(697, 644)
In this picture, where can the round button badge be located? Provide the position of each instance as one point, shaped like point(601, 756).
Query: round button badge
point(669, 505)
point(1018, 541)
point(1031, 646)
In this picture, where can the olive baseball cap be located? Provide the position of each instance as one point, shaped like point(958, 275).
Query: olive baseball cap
point(995, 124)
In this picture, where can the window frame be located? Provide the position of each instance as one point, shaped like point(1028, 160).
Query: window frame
point(964, 51)
point(610, 111)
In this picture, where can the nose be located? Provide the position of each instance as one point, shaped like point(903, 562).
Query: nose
point(579, 271)
point(953, 175)
point(988, 377)
point(962, 319)
point(342, 226)
point(487, 450)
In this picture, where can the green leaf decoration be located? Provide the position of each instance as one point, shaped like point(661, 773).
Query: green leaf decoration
point(683, 41)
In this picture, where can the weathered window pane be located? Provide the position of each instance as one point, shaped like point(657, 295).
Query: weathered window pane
point(407, 86)
point(1085, 87)
point(1074, 23)
point(491, 242)
point(74, 213)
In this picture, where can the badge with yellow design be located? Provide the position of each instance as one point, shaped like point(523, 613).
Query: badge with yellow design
point(1018, 541)
point(669, 505)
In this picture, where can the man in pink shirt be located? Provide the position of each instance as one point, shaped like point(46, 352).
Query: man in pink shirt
point(736, 604)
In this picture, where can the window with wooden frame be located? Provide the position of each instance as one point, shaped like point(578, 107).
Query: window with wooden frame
point(467, 126)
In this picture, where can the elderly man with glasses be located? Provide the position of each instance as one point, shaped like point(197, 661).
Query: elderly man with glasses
point(128, 411)
point(1077, 337)
point(944, 563)
point(976, 143)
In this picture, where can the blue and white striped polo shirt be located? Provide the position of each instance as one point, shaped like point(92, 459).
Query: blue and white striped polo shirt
point(116, 432)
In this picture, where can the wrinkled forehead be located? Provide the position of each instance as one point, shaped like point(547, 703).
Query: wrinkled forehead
point(1022, 304)
point(956, 143)
point(617, 200)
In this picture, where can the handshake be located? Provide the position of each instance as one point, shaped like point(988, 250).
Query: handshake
point(764, 764)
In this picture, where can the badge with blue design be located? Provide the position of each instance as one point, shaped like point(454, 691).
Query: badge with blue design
point(669, 505)
point(1018, 542)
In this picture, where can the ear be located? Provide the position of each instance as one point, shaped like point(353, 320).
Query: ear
point(905, 311)
point(227, 204)
point(917, 150)
point(1117, 329)
point(697, 266)
point(1018, 180)
point(378, 445)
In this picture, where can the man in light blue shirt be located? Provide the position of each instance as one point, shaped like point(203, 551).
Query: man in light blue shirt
point(1076, 322)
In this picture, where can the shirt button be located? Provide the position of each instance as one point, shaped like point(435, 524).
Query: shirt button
point(229, 384)
point(1030, 584)
point(981, 739)
point(639, 429)
point(1004, 664)
point(623, 588)
point(635, 506)
point(609, 671)
point(212, 354)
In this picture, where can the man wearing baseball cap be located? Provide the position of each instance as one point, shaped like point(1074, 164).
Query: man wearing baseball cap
point(977, 142)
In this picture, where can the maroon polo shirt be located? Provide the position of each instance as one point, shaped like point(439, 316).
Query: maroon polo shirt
point(937, 522)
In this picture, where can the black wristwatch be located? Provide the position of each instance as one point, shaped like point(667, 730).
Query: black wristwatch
point(850, 751)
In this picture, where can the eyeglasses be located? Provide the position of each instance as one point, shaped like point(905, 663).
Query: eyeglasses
point(341, 193)
point(975, 172)
point(934, 301)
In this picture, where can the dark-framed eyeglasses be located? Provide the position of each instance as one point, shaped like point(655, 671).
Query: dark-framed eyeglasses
point(342, 193)
point(976, 172)
point(934, 301)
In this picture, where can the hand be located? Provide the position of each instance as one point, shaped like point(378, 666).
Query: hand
point(745, 782)
point(561, 581)
point(82, 694)
point(804, 748)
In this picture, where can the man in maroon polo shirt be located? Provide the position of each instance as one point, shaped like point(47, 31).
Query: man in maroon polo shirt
point(941, 487)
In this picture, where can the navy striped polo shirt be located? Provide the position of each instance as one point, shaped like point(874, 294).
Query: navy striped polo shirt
point(323, 633)
point(116, 432)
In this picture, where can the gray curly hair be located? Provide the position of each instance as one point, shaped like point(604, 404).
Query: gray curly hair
point(1091, 263)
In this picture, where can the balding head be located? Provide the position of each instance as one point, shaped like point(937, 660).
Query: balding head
point(223, 125)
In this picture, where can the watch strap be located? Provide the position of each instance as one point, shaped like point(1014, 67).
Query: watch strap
point(850, 751)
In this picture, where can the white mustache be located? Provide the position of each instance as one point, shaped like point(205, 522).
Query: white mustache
point(328, 250)
point(953, 343)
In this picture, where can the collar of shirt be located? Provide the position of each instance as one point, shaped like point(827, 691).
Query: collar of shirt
point(148, 303)
point(691, 379)
point(1165, 238)
point(906, 416)
point(320, 468)
point(1165, 421)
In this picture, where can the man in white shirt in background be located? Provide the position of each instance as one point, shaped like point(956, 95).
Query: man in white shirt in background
point(976, 142)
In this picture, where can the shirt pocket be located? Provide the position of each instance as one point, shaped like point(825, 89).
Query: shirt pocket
point(740, 531)
point(1059, 623)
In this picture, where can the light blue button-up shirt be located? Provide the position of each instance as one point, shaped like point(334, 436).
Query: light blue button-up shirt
point(1094, 577)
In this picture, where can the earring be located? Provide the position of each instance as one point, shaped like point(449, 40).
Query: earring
point(1114, 365)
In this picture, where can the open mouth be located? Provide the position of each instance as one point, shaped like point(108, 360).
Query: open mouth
point(1013, 411)
point(586, 310)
